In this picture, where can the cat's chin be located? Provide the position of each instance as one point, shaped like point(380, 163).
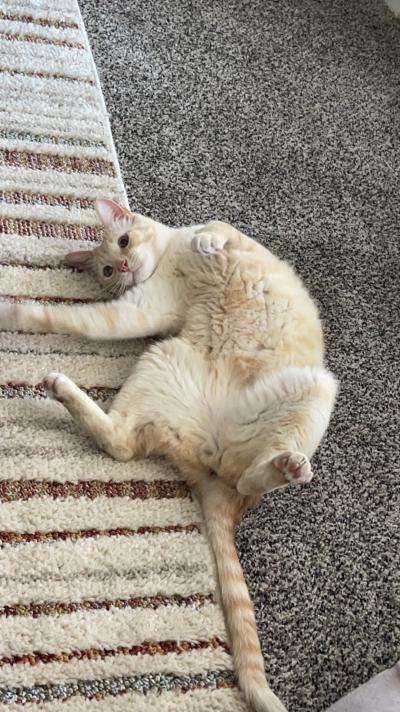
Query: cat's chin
point(142, 274)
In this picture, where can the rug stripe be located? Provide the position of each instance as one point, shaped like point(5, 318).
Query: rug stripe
point(201, 700)
point(39, 39)
point(76, 534)
point(65, 284)
point(196, 660)
point(118, 686)
point(55, 608)
point(11, 490)
point(40, 513)
point(48, 138)
point(170, 579)
point(162, 647)
point(53, 181)
point(65, 164)
point(86, 629)
point(29, 228)
point(46, 75)
point(44, 21)
point(100, 556)
point(27, 198)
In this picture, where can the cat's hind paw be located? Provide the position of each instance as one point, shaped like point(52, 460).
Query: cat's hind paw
point(58, 386)
point(208, 243)
point(295, 467)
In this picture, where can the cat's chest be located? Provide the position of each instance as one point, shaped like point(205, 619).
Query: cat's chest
point(227, 301)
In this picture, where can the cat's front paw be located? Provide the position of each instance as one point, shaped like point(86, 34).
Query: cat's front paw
point(208, 243)
point(57, 386)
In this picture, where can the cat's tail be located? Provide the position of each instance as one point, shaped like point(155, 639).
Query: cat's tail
point(221, 507)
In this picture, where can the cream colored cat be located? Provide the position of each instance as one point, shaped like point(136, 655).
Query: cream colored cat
point(237, 396)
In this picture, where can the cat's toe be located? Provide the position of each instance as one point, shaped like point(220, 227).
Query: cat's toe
point(56, 386)
point(207, 243)
point(295, 466)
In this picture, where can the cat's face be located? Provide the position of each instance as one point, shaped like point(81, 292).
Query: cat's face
point(126, 256)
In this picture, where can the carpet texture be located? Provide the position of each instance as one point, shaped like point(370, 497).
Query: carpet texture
point(283, 117)
point(106, 581)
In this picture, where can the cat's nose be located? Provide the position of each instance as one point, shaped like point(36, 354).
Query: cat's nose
point(123, 266)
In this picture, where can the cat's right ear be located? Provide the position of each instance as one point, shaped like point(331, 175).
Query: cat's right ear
point(108, 211)
point(82, 260)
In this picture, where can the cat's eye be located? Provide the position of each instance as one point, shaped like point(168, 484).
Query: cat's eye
point(123, 241)
point(107, 271)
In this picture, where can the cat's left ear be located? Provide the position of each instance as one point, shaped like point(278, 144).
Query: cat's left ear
point(108, 211)
point(82, 259)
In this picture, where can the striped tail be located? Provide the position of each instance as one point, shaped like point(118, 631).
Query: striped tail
point(221, 507)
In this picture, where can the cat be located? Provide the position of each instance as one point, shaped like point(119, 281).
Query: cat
point(236, 394)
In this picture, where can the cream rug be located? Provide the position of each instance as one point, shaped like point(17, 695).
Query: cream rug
point(107, 583)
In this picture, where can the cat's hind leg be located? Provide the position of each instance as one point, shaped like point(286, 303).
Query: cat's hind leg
point(113, 431)
point(297, 408)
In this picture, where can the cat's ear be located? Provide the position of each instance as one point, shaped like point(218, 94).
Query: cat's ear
point(108, 211)
point(82, 259)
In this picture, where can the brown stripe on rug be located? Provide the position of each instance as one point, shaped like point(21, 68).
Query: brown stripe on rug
point(43, 21)
point(28, 198)
point(39, 228)
point(108, 583)
point(55, 608)
point(11, 490)
point(54, 162)
point(38, 39)
point(26, 537)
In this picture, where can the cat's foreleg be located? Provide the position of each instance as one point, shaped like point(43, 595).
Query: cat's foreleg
point(217, 235)
point(118, 319)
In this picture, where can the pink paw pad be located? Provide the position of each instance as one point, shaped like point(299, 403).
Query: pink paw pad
point(294, 466)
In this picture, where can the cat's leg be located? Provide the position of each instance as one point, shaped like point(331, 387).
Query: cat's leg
point(113, 432)
point(217, 235)
point(120, 319)
point(296, 412)
point(208, 241)
point(155, 411)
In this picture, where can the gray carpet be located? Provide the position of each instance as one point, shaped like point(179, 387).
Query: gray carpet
point(282, 116)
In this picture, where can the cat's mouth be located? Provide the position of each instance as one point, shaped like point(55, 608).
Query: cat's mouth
point(132, 275)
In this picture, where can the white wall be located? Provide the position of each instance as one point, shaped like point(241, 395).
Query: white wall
point(394, 5)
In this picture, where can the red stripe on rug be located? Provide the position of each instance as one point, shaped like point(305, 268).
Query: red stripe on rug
point(56, 608)
point(162, 647)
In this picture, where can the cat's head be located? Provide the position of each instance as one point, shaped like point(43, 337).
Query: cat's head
point(127, 254)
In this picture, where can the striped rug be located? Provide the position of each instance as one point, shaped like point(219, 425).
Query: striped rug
point(107, 583)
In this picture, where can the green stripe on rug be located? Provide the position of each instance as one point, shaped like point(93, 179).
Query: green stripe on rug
point(117, 686)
